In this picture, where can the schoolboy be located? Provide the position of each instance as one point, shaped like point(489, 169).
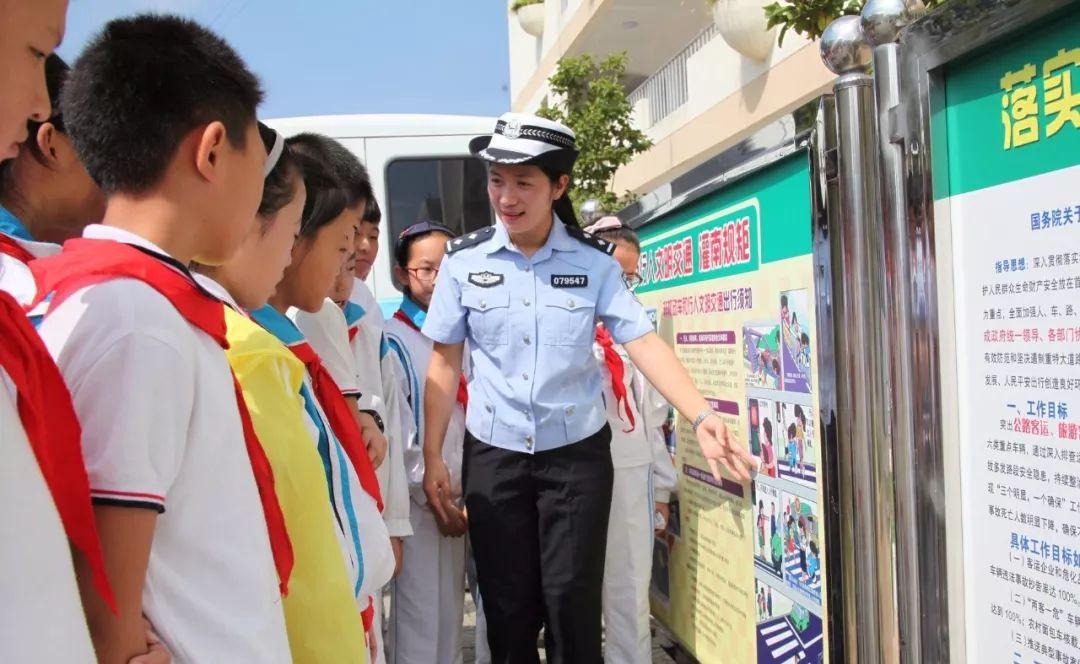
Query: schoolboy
point(162, 114)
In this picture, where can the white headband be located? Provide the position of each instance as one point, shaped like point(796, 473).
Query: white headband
point(275, 154)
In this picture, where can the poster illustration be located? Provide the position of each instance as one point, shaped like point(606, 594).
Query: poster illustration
point(795, 330)
point(731, 276)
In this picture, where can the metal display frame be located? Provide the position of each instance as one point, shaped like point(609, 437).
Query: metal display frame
point(809, 130)
point(927, 46)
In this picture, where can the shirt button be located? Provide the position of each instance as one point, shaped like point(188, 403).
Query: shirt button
point(524, 376)
point(526, 268)
point(528, 340)
point(488, 408)
point(528, 442)
point(570, 410)
point(526, 302)
point(569, 303)
point(483, 303)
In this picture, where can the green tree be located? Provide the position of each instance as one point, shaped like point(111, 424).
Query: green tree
point(590, 99)
point(809, 18)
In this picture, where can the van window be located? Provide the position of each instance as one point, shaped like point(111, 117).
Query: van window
point(449, 190)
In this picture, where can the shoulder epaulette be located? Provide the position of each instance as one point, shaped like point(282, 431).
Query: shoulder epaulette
point(594, 242)
point(470, 239)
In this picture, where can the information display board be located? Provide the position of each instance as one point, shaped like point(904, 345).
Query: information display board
point(1007, 176)
point(740, 576)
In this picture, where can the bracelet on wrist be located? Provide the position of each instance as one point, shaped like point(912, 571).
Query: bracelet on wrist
point(702, 416)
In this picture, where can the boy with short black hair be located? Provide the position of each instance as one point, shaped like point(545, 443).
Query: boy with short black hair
point(162, 113)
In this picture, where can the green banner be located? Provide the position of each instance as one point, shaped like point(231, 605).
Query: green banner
point(1012, 111)
point(759, 219)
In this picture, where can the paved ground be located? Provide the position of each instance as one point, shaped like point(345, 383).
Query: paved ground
point(659, 642)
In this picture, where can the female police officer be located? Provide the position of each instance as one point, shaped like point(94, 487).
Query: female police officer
point(526, 293)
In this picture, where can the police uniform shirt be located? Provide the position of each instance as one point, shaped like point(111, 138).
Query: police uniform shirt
point(530, 324)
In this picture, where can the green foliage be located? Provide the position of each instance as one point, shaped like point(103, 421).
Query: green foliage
point(590, 99)
point(809, 18)
point(518, 4)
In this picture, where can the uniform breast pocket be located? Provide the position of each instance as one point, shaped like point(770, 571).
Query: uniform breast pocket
point(489, 314)
point(569, 319)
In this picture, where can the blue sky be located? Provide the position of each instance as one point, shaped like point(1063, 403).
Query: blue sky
point(347, 56)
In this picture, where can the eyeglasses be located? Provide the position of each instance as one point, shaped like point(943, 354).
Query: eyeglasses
point(425, 274)
point(632, 281)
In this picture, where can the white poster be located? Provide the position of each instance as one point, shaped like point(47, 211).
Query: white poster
point(1017, 282)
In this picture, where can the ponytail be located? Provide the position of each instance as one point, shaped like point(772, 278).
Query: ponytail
point(564, 207)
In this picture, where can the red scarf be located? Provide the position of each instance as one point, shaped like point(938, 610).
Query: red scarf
point(341, 419)
point(618, 371)
point(9, 246)
point(52, 427)
point(463, 385)
point(86, 262)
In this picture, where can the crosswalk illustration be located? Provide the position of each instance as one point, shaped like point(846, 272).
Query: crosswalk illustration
point(779, 643)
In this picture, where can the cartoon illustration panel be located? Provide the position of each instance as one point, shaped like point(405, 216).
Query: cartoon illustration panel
point(796, 333)
point(786, 631)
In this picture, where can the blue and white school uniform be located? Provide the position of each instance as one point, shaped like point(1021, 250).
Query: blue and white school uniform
point(15, 276)
point(644, 475)
point(365, 544)
point(426, 624)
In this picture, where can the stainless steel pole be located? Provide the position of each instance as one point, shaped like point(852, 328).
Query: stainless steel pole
point(862, 355)
point(920, 561)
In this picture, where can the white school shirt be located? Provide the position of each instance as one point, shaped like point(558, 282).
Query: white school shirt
point(15, 275)
point(161, 430)
point(644, 444)
point(41, 615)
point(379, 378)
point(413, 351)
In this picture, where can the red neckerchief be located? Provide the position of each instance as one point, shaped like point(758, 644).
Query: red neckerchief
point(463, 385)
point(52, 427)
point(618, 371)
point(9, 246)
point(341, 419)
point(86, 262)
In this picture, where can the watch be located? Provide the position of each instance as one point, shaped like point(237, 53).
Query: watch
point(701, 418)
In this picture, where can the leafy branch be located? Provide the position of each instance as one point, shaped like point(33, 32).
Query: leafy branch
point(590, 99)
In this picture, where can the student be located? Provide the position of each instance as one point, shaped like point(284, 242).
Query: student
point(527, 293)
point(46, 195)
point(428, 604)
point(324, 239)
point(44, 496)
point(320, 610)
point(162, 113)
point(644, 474)
point(377, 401)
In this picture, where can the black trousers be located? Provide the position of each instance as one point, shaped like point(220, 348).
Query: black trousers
point(538, 525)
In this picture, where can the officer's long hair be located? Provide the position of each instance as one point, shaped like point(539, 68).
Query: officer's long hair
point(564, 207)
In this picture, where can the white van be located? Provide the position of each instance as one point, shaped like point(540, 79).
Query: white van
point(420, 169)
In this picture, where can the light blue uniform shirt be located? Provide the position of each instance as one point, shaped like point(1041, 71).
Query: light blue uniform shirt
point(530, 324)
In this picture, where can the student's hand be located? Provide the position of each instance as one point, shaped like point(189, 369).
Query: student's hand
point(664, 511)
point(721, 449)
point(395, 544)
point(450, 518)
point(156, 653)
point(374, 439)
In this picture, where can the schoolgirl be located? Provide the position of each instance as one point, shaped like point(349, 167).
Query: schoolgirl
point(46, 195)
point(323, 241)
point(428, 605)
point(321, 614)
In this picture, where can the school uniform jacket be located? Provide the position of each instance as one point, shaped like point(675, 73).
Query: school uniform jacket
point(413, 350)
point(644, 443)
